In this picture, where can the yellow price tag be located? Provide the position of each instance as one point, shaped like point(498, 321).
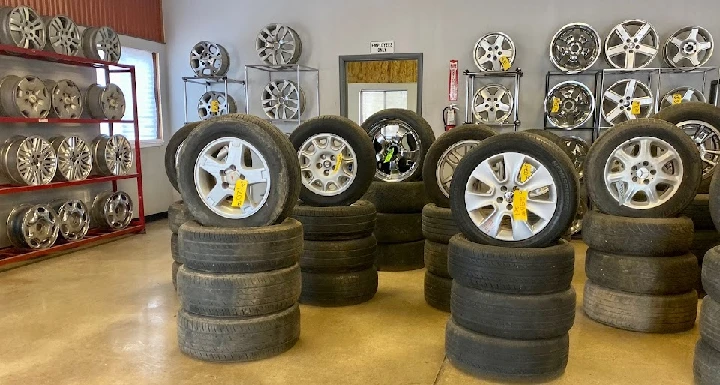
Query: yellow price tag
point(677, 99)
point(338, 164)
point(525, 172)
point(555, 105)
point(214, 106)
point(520, 205)
point(635, 108)
point(240, 193)
point(505, 63)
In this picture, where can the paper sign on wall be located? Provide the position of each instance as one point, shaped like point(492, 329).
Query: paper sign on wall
point(454, 79)
point(382, 46)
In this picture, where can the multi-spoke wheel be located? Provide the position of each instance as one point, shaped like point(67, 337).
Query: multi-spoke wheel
point(278, 44)
point(575, 48)
point(689, 47)
point(569, 105)
point(73, 219)
point(112, 155)
point(209, 59)
point(491, 49)
point(681, 95)
point(627, 99)
point(112, 211)
point(327, 163)
point(24, 97)
point(493, 104)
point(66, 99)
point(214, 103)
point(22, 27)
point(578, 149)
point(106, 102)
point(283, 99)
point(28, 161)
point(33, 227)
point(74, 159)
point(101, 44)
point(63, 36)
point(631, 44)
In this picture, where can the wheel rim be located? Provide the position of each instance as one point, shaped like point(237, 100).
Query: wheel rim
point(575, 103)
point(277, 45)
point(32, 161)
point(619, 98)
point(631, 44)
point(686, 94)
point(493, 104)
point(220, 165)
point(66, 100)
point(26, 97)
point(106, 44)
point(214, 103)
point(707, 139)
point(689, 47)
point(643, 173)
point(73, 219)
point(208, 59)
point(26, 28)
point(449, 161)
point(112, 102)
point(397, 150)
point(577, 224)
point(74, 159)
point(327, 163)
point(37, 226)
point(118, 155)
point(490, 48)
point(118, 210)
point(575, 48)
point(282, 100)
point(63, 35)
point(578, 149)
point(490, 191)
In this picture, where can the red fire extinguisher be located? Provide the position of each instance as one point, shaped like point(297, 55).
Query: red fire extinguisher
point(450, 114)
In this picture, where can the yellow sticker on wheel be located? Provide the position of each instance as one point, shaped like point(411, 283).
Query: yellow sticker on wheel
point(505, 63)
point(677, 99)
point(389, 155)
point(214, 106)
point(555, 105)
point(520, 205)
point(240, 193)
point(635, 108)
point(525, 172)
point(338, 164)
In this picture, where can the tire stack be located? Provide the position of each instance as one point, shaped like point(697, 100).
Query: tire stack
point(240, 281)
point(707, 352)
point(177, 216)
point(706, 236)
point(641, 275)
point(438, 228)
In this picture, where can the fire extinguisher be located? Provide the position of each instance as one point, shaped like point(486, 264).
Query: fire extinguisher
point(450, 114)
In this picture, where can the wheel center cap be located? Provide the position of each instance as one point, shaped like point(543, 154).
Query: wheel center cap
point(509, 196)
point(32, 99)
point(689, 47)
point(327, 164)
point(643, 172)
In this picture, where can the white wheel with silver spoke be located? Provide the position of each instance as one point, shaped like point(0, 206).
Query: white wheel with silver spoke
point(214, 103)
point(101, 43)
point(449, 161)
point(29, 161)
point(489, 50)
point(327, 164)
point(283, 99)
point(681, 95)
point(578, 150)
point(575, 48)
point(209, 59)
point(73, 219)
point(689, 47)
point(493, 104)
point(491, 191)
point(569, 105)
point(63, 36)
point(33, 227)
point(620, 98)
point(707, 139)
point(112, 210)
point(632, 44)
point(278, 44)
point(22, 27)
point(74, 159)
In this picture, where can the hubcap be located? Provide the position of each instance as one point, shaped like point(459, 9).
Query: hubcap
point(449, 161)
point(493, 104)
point(397, 150)
point(327, 163)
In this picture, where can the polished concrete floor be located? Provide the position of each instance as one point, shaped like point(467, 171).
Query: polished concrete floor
point(106, 315)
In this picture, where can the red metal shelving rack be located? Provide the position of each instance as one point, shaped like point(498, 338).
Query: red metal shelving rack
point(12, 255)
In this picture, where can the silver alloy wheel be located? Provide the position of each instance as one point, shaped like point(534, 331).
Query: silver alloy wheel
point(112, 210)
point(490, 48)
point(575, 48)
point(214, 103)
point(397, 150)
point(643, 173)
point(209, 59)
point(707, 139)
point(278, 44)
point(33, 227)
point(101, 43)
point(74, 159)
point(632, 44)
point(22, 27)
point(24, 97)
point(218, 168)
point(63, 36)
point(490, 193)
point(327, 164)
point(29, 160)
point(681, 95)
point(618, 100)
point(569, 105)
point(578, 148)
point(73, 219)
point(688, 47)
point(66, 100)
point(577, 224)
point(283, 99)
point(493, 104)
point(449, 161)
point(112, 155)
point(106, 102)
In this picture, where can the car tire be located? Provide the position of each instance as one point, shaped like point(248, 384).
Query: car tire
point(177, 215)
point(711, 273)
point(436, 258)
point(699, 213)
point(400, 256)
point(710, 322)
point(437, 291)
point(338, 256)
point(337, 223)
point(705, 366)
point(397, 197)
point(172, 150)
point(339, 289)
point(438, 224)
point(398, 228)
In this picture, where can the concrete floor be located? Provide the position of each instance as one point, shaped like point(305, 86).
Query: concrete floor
point(106, 315)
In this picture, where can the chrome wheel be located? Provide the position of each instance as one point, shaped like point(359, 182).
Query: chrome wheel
point(397, 150)
point(643, 173)
point(63, 36)
point(631, 44)
point(491, 48)
point(66, 100)
point(278, 44)
point(569, 105)
point(74, 160)
point(578, 149)
point(24, 97)
point(494, 185)
point(449, 161)
point(22, 27)
point(575, 48)
point(106, 102)
point(681, 95)
point(101, 44)
point(283, 99)
point(112, 211)
point(29, 160)
point(327, 164)
point(619, 98)
point(493, 104)
point(577, 224)
point(209, 59)
point(689, 47)
point(221, 167)
point(73, 219)
point(707, 139)
point(112, 155)
point(214, 103)
point(33, 227)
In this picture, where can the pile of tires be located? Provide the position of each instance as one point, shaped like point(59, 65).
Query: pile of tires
point(641, 275)
point(707, 351)
point(238, 278)
point(400, 140)
point(177, 216)
point(337, 167)
point(512, 305)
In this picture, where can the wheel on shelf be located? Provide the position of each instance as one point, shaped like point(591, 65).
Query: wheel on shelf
point(106, 102)
point(63, 36)
point(101, 43)
point(681, 95)
point(493, 104)
point(283, 99)
point(74, 159)
point(214, 103)
point(73, 219)
point(575, 48)
point(491, 48)
point(569, 105)
point(688, 47)
point(32, 227)
point(112, 211)
point(28, 161)
point(627, 99)
point(112, 155)
point(66, 99)
point(632, 44)
point(24, 97)
point(22, 27)
point(209, 59)
point(279, 45)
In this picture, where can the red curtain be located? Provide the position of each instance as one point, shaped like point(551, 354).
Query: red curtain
point(137, 18)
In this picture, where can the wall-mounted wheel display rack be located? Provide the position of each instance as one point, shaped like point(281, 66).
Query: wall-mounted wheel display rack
point(592, 79)
point(209, 82)
point(13, 255)
point(471, 89)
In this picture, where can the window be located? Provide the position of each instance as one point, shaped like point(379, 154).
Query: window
point(147, 86)
point(374, 101)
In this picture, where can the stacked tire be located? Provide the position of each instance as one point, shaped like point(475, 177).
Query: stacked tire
point(641, 275)
point(177, 216)
point(707, 351)
point(438, 228)
point(706, 235)
point(240, 281)
point(338, 262)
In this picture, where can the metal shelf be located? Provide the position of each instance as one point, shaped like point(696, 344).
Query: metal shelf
point(470, 90)
point(11, 119)
point(9, 189)
point(9, 50)
point(208, 82)
point(282, 68)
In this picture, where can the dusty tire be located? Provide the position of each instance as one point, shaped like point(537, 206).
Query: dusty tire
point(175, 249)
point(246, 250)
point(642, 275)
point(238, 295)
point(436, 258)
point(357, 140)
point(175, 267)
point(482, 355)
point(172, 150)
point(398, 228)
point(703, 241)
point(705, 366)
point(710, 322)
point(711, 273)
point(438, 224)
point(400, 256)
point(640, 313)
point(238, 339)
point(551, 136)
point(177, 215)
point(699, 213)
point(437, 291)
point(397, 197)
point(338, 256)
point(517, 317)
point(462, 133)
point(714, 200)
point(337, 223)
point(521, 271)
point(338, 289)
point(658, 237)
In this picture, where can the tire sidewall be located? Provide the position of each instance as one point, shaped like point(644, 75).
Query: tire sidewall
point(173, 144)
